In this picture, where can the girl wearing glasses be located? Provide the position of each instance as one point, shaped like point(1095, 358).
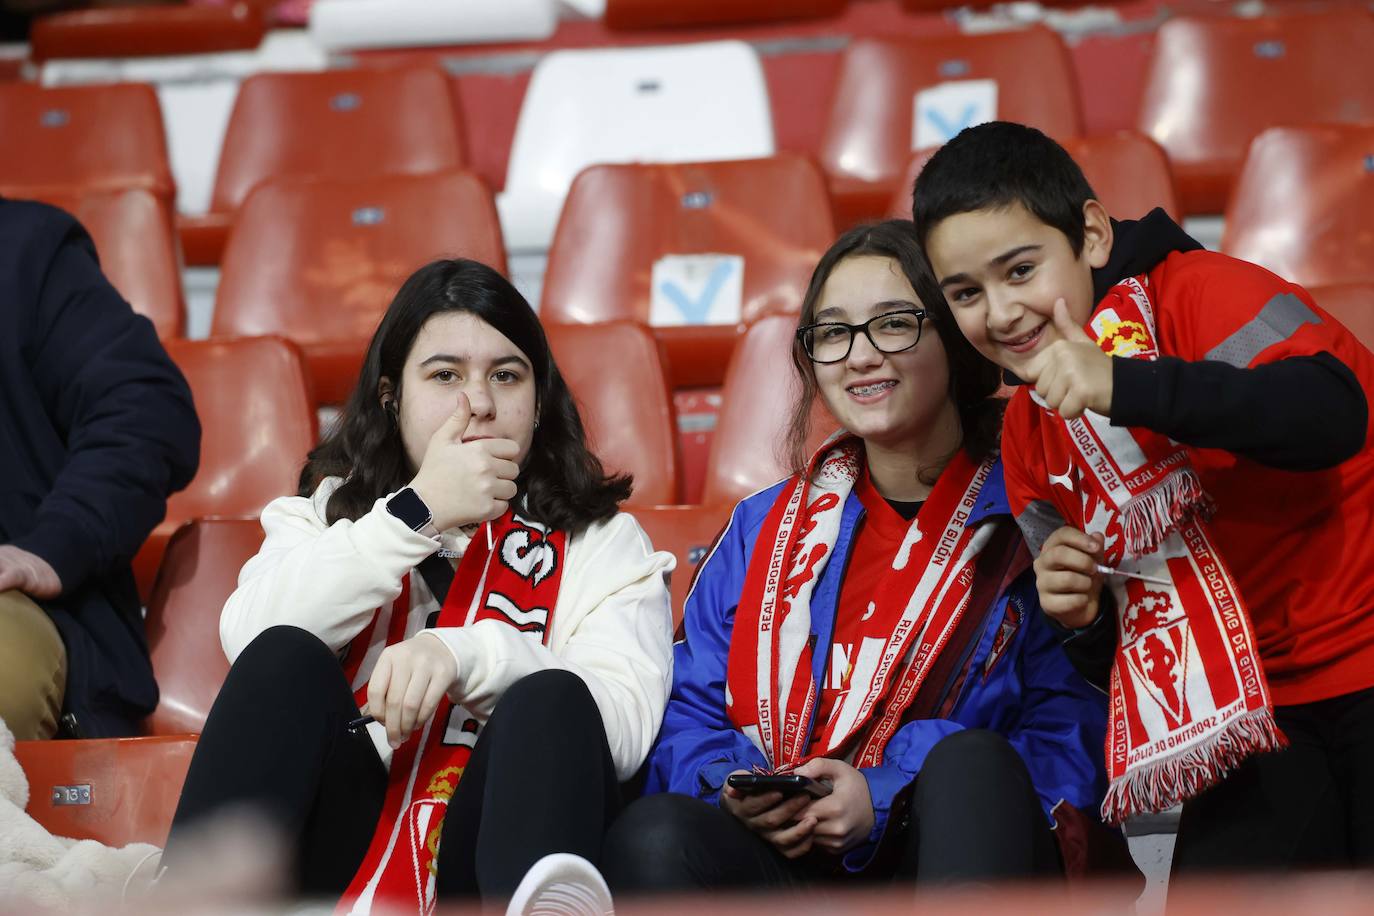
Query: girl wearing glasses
point(871, 623)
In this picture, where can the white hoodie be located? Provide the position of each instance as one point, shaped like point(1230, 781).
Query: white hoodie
point(612, 624)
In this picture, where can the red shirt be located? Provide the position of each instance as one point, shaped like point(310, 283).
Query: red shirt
point(1300, 544)
point(858, 615)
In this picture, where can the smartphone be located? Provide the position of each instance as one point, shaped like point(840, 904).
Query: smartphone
point(787, 784)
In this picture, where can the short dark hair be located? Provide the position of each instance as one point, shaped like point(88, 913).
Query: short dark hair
point(998, 164)
point(973, 379)
point(563, 484)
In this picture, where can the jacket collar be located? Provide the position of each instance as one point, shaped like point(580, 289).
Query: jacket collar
point(992, 500)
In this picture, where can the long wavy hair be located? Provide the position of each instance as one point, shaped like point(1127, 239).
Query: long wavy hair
point(562, 483)
point(973, 379)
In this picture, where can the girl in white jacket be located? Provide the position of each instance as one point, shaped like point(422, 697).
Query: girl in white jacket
point(456, 569)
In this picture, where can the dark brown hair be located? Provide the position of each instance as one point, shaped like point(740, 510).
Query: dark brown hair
point(562, 483)
point(973, 379)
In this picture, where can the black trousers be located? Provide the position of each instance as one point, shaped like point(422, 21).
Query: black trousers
point(1311, 805)
point(973, 816)
point(540, 780)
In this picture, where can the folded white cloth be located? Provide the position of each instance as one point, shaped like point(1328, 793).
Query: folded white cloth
point(49, 871)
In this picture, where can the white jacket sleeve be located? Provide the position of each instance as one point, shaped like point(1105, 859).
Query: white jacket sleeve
point(612, 627)
point(327, 579)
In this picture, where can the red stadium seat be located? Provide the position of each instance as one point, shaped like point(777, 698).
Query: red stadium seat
point(319, 261)
point(115, 791)
point(872, 128)
point(137, 246)
point(760, 390)
point(617, 378)
point(1216, 82)
point(1352, 304)
point(336, 124)
point(655, 14)
point(199, 572)
point(698, 412)
point(257, 424)
point(688, 532)
point(924, 7)
point(1304, 204)
point(140, 31)
point(1127, 170)
point(88, 138)
point(619, 220)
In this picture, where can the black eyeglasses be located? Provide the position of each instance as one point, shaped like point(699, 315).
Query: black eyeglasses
point(890, 332)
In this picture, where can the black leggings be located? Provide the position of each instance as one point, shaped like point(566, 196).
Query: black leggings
point(1311, 805)
point(540, 780)
point(974, 817)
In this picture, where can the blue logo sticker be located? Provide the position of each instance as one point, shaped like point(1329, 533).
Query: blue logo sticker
point(949, 129)
point(368, 216)
point(345, 101)
point(696, 311)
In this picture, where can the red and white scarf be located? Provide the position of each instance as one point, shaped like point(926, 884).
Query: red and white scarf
point(516, 583)
point(1189, 699)
point(771, 692)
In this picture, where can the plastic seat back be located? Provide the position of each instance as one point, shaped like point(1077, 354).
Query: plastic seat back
point(655, 14)
point(136, 31)
point(1214, 82)
point(115, 791)
point(89, 138)
point(617, 379)
point(897, 96)
point(1304, 204)
point(682, 103)
point(318, 262)
point(257, 425)
point(696, 250)
point(344, 124)
point(198, 574)
point(760, 389)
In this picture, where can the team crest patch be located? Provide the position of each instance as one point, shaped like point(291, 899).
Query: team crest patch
point(1006, 632)
point(443, 783)
point(1157, 644)
point(1119, 336)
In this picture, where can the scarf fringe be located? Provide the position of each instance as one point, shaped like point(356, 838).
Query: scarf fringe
point(1156, 786)
point(1149, 518)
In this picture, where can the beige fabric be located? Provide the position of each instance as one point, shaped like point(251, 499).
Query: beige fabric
point(33, 668)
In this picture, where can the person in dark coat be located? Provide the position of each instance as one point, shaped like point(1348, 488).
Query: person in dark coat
point(97, 428)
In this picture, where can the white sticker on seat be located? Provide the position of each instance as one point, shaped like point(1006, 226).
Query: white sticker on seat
point(943, 110)
point(696, 289)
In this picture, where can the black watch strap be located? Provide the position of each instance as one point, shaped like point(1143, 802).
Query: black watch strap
point(411, 509)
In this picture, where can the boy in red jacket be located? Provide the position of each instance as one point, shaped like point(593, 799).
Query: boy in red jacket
point(1189, 449)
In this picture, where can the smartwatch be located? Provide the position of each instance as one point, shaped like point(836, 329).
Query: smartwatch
point(411, 509)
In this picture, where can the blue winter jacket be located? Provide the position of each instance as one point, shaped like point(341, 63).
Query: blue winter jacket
point(1028, 692)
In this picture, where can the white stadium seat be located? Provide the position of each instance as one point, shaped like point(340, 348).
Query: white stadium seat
point(687, 103)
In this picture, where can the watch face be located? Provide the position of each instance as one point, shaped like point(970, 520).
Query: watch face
point(409, 508)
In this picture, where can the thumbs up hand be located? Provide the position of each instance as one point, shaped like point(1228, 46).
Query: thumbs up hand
point(1072, 375)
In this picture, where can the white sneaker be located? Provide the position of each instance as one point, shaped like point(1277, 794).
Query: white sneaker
point(562, 884)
